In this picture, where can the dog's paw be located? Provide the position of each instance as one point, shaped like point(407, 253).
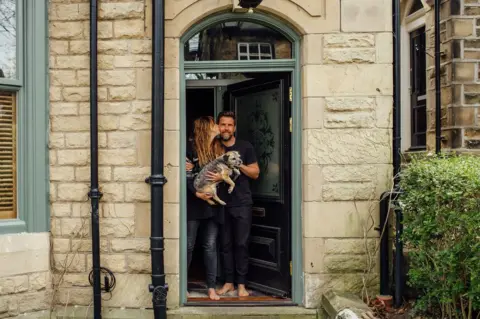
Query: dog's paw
point(230, 189)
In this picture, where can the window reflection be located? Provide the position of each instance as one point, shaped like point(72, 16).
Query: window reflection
point(237, 40)
point(8, 34)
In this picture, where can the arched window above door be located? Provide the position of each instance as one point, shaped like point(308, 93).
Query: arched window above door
point(237, 40)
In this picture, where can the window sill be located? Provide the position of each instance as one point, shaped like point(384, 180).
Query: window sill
point(12, 226)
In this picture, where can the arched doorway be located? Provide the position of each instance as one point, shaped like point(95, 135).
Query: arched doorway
point(250, 64)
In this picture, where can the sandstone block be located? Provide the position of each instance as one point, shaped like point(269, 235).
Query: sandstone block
point(121, 139)
point(129, 29)
point(172, 148)
point(131, 174)
point(144, 83)
point(105, 29)
point(75, 227)
point(62, 173)
point(105, 62)
point(56, 140)
point(29, 302)
point(52, 157)
point(108, 122)
point(349, 191)
point(122, 93)
point(72, 191)
point(70, 123)
point(312, 49)
point(348, 146)
point(349, 246)
point(133, 61)
point(348, 40)
point(347, 80)
point(313, 112)
point(58, 47)
point(314, 249)
point(113, 47)
point(144, 107)
point(172, 251)
point(342, 104)
point(118, 227)
point(81, 209)
point(143, 219)
point(76, 94)
point(60, 108)
point(142, 46)
point(39, 280)
point(137, 297)
point(464, 71)
point(75, 280)
point(79, 47)
point(61, 209)
point(115, 263)
point(126, 10)
point(349, 120)
point(339, 56)
point(171, 52)
point(384, 47)
point(66, 30)
point(61, 245)
point(384, 112)
point(117, 157)
point(171, 193)
point(312, 183)
point(172, 114)
point(14, 284)
point(144, 148)
point(139, 263)
point(85, 245)
point(81, 296)
point(137, 192)
point(172, 87)
point(82, 140)
point(135, 122)
point(118, 210)
point(113, 192)
point(70, 262)
point(367, 16)
point(345, 263)
point(317, 284)
point(82, 174)
point(350, 173)
point(63, 77)
point(70, 11)
point(116, 77)
point(171, 221)
point(72, 62)
point(55, 94)
point(141, 245)
point(114, 107)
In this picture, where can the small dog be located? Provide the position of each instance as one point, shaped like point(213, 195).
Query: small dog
point(226, 164)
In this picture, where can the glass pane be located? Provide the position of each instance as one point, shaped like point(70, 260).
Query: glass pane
point(8, 35)
point(7, 156)
point(221, 42)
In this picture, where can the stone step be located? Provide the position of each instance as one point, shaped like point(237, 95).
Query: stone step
point(194, 313)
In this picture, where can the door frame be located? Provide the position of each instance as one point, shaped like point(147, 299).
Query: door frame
point(279, 65)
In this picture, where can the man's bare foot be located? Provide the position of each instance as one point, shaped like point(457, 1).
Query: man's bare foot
point(225, 289)
point(212, 294)
point(242, 291)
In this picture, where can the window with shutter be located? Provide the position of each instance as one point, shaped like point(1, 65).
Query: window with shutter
point(7, 156)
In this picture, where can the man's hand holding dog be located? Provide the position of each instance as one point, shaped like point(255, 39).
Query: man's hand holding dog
point(204, 196)
point(214, 177)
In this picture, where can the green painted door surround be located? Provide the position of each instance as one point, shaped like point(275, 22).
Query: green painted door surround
point(278, 65)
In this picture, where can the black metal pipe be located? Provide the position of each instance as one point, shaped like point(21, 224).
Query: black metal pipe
point(94, 194)
point(384, 254)
point(399, 271)
point(396, 90)
point(157, 180)
point(438, 102)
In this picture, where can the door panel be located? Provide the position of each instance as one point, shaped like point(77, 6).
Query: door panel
point(262, 108)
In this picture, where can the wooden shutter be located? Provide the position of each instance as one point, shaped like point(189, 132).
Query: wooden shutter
point(8, 130)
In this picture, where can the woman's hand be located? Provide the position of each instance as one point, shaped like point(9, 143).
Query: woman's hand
point(214, 177)
point(189, 166)
point(204, 196)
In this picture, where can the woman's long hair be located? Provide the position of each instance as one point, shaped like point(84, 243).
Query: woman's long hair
point(206, 150)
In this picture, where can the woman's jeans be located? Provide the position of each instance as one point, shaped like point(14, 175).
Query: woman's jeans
point(209, 246)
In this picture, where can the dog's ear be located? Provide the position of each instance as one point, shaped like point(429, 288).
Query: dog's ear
point(225, 157)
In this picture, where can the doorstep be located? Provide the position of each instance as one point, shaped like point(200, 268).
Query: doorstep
point(194, 313)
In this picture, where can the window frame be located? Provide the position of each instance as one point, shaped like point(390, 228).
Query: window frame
point(259, 45)
point(411, 23)
point(31, 88)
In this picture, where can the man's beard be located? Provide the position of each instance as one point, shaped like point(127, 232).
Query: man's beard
point(226, 137)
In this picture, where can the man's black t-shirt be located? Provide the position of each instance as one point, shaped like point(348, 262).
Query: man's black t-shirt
point(242, 195)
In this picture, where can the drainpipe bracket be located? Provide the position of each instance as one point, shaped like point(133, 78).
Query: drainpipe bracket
point(94, 193)
point(157, 179)
point(159, 293)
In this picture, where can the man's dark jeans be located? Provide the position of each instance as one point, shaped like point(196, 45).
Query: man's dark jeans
point(235, 241)
point(209, 246)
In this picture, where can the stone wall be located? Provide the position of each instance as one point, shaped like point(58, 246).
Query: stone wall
point(460, 57)
point(25, 284)
point(347, 102)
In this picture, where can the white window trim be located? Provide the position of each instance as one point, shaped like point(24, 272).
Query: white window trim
point(258, 44)
point(411, 23)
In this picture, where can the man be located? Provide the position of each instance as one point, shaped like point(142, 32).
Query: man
point(238, 214)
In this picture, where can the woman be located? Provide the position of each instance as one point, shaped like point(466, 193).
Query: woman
point(203, 148)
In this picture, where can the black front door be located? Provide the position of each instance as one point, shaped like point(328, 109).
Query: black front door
point(262, 108)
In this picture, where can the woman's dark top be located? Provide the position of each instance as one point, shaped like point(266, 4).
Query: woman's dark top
point(198, 208)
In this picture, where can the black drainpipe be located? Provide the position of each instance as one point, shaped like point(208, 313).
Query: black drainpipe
point(94, 193)
point(438, 102)
point(158, 287)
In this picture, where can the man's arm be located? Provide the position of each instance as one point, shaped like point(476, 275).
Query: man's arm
point(252, 170)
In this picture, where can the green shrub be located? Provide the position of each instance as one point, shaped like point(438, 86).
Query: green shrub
point(441, 205)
